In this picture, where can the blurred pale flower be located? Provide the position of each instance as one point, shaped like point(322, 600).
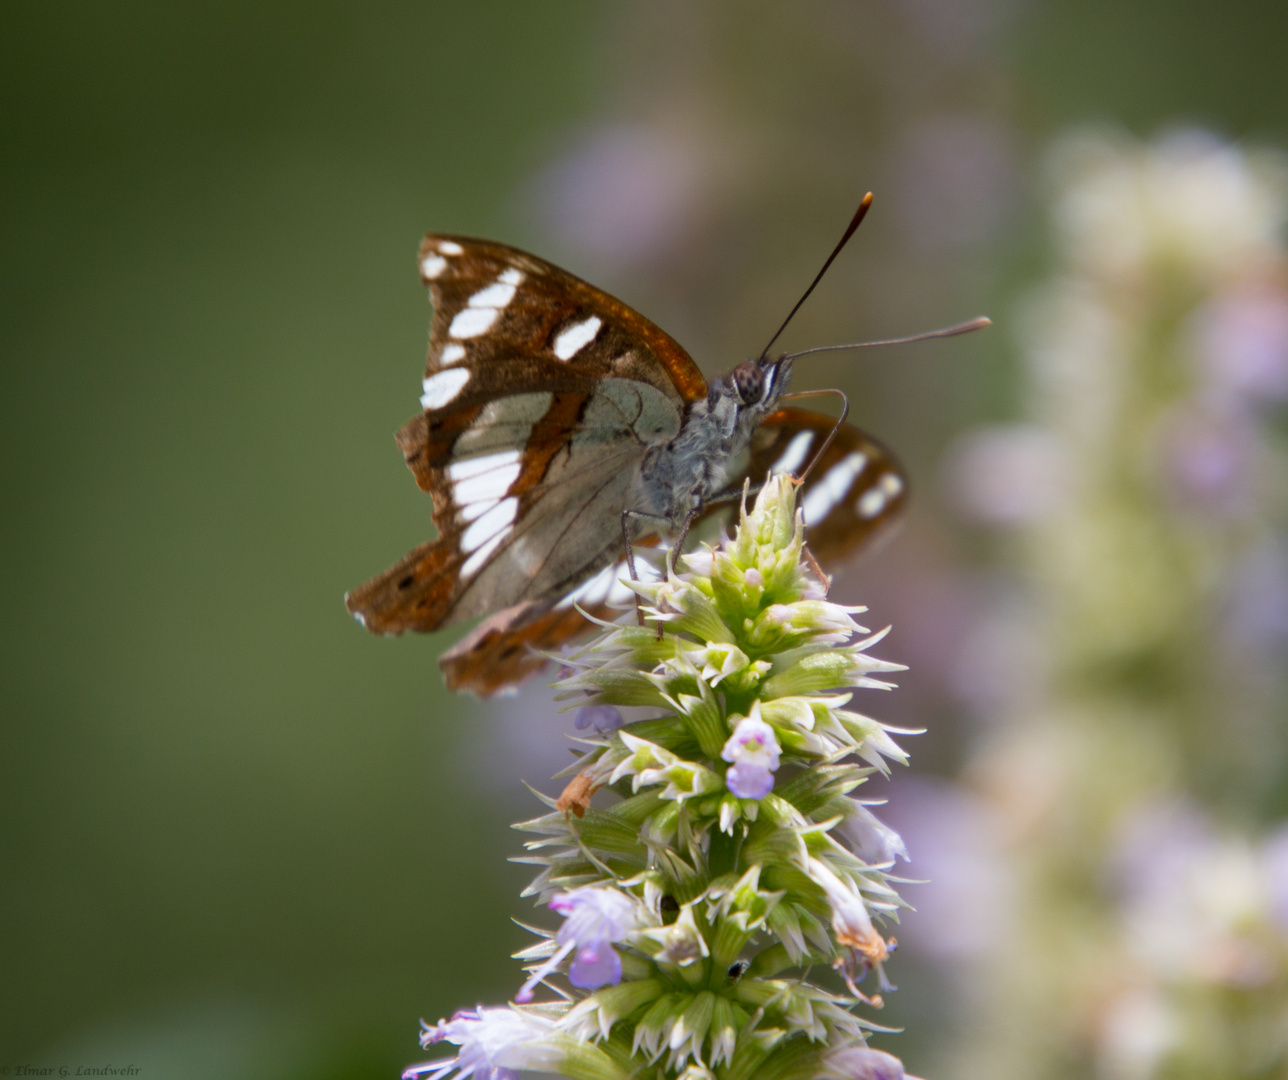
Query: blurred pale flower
point(1194, 897)
point(1139, 1028)
point(955, 180)
point(599, 718)
point(871, 839)
point(1000, 669)
point(1079, 363)
point(1188, 201)
point(622, 194)
point(1256, 615)
point(1207, 460)
point(1275, 855)
point(1158, 603)
point(1198, 918)
point(864, 1063)
point(1008, 474)
point(1242, 342)
point(957, 839)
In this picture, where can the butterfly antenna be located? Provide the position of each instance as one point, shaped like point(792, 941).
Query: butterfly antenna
point(946, 331)
point(859, 215)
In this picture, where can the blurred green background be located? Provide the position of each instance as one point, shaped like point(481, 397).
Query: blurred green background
point(241, 837)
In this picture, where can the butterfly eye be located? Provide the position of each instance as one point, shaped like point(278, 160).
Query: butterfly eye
point(750, 381)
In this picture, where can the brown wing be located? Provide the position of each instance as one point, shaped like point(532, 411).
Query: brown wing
point(854, 496)
point(541, 394)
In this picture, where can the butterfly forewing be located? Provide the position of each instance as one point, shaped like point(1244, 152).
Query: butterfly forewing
point(541, 395)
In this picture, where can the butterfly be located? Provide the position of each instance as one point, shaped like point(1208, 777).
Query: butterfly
point(560, 428)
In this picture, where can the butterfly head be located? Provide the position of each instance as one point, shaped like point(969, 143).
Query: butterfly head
point(758, 384)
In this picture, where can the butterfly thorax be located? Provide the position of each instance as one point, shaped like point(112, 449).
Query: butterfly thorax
point(688, 471)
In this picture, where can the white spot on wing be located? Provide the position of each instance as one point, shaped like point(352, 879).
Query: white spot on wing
point(872, 502)
point(473, 321)
point(497, 520)
point(496, 295)
point(794, 456)
point(572, 340)
point(513, 276)
point(442, 388)
point(833, 487)
point(432, 265)
point(451, 353)
point(450, 247)
point(472, 565)
point(485, 478)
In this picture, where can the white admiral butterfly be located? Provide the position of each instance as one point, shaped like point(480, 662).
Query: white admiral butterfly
point(559, 426)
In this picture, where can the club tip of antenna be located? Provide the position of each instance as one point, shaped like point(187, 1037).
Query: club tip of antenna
point(979, 323)
point(866, 201)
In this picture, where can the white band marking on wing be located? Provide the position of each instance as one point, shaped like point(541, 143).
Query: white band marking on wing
point(833, 487)
point(484, 478)
point(467, 467)
point(451, 353)
point(593, 590)
point(442, 387)
point(470, 511)
point(450, 247)
point(607, 585)
point(794, 456)
point(871, 503)
point(572, 340)
point(496, 520)
point(432, 265)
point(486, 486)
point(472, 565)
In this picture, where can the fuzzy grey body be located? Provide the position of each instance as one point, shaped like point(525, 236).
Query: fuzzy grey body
point(676, 478)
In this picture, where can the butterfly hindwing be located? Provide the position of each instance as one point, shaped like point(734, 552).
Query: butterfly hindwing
point(854, 495)
point(541, 394)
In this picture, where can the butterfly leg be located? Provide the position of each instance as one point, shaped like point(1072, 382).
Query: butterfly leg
point(751, 491)
point(678, 547)
point(818, 570)
point(630, 550)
